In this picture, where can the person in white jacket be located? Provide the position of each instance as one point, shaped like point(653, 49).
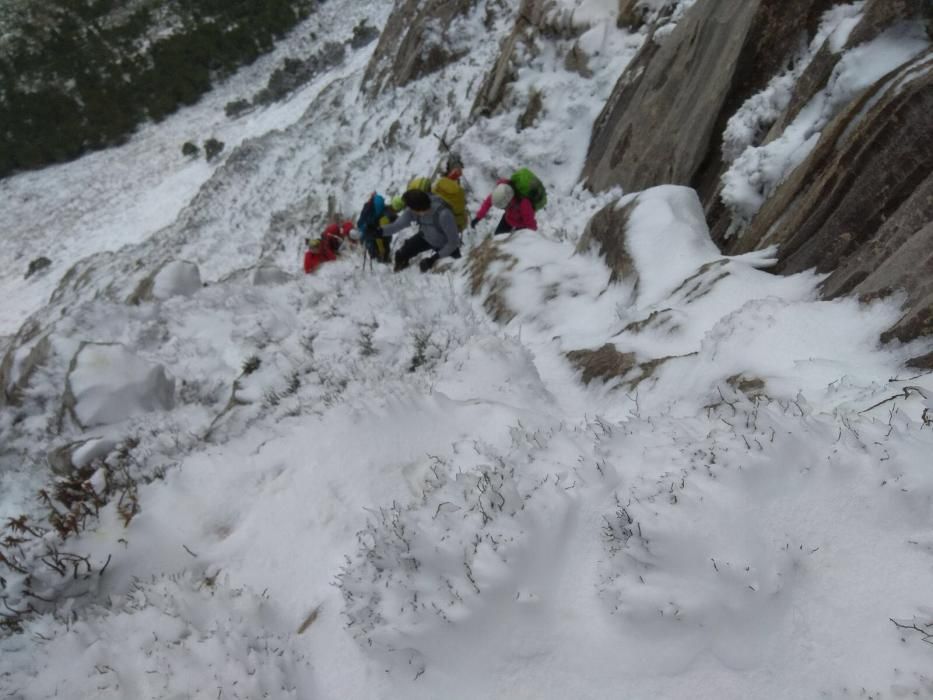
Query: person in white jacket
point(437, 230)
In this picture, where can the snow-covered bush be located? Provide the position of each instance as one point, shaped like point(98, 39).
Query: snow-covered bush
point(172, 637)
point(442, 559)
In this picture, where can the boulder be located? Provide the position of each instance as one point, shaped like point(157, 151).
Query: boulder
point(652, 241)
point(605, 233)
point(172, 278)
point(107, 383)
point(176, 278)
point(37, 265)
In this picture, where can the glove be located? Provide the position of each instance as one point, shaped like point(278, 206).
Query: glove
point(427, 263)
point(473, 223)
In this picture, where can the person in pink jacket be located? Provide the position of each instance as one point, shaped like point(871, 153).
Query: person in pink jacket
point(519, 212)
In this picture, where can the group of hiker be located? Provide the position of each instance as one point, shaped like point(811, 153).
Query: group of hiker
point(439, 210)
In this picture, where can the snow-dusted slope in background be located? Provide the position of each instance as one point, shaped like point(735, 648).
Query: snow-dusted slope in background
point(399, 486)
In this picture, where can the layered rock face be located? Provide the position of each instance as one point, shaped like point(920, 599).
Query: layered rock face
point(858, 202)
point(664, 121)
point(415, 42)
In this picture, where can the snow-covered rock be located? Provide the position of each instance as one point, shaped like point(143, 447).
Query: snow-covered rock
point(108, 384)
point(95, 448)
point(178, 277)
point(270, 274)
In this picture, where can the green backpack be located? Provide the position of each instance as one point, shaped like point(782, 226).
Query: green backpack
point(527, 184)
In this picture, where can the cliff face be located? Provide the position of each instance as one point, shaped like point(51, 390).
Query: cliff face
point(795, 132)
point(416, 41)
point(664, 121)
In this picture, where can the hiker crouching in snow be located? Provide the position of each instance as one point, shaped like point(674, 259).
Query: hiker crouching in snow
point(437, 230)
point(325, 249)
point(519, 211)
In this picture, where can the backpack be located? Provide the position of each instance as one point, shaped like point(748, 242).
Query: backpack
point(369, 216)
point(450, 191)
point(420, 183)
point(369, 228)
point(527, 184)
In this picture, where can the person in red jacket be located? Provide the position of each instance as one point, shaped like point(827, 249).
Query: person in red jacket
point(340, 231)
point(325, 248)
point(519, 212)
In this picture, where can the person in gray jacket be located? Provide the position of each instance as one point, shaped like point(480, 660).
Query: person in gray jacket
point(437, 230)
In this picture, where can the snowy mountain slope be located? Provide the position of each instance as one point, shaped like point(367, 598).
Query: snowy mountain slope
point(123, 196)
point(743, 521)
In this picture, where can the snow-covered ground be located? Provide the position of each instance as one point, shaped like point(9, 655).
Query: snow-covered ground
point(363, 486)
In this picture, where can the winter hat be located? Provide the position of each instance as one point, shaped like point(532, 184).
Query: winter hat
point(502, 195)
point(417, 200)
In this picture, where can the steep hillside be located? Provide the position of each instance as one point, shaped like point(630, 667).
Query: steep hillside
point(614, 457)
point(80, 75)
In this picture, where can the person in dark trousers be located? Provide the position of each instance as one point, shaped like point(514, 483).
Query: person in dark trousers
point(437, 230)
point(519, 211)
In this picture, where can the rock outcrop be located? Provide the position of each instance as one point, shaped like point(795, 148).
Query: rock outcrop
point(531, 15)
point(415, 42)
point(859, 204)
point(663, 122)
point(27, 352)
point(869, 163)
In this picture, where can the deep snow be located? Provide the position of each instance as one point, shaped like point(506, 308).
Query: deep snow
point(405, 499)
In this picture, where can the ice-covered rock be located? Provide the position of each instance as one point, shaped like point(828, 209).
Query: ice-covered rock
point(108, 383)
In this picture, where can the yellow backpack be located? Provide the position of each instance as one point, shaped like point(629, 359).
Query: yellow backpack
point(419, 183)
point(451, 192)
